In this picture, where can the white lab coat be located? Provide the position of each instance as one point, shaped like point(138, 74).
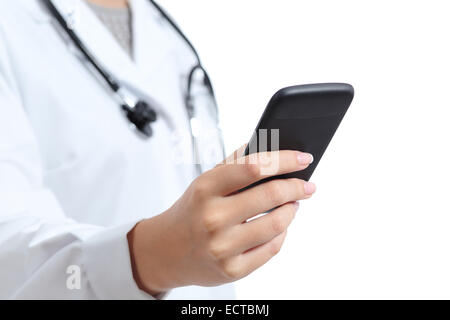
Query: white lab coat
point(74, 178)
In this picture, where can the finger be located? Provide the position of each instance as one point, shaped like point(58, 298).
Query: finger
point(265, 197)
point(243, 237)
point(233, 177)
point(253, 259)
point(232, 158)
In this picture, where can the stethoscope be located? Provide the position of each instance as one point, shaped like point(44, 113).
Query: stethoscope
point(139, 112)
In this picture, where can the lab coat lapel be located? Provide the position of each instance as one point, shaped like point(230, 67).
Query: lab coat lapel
point(153, 41)
point(109, 53)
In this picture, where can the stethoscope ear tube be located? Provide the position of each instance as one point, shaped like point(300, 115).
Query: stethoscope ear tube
point(112, 83)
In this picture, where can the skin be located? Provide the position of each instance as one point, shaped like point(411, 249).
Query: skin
point(206, 237)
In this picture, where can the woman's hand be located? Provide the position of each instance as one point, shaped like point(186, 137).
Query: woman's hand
point(205, 238)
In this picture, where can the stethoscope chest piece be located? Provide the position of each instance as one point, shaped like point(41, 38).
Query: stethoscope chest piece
point(141, 116)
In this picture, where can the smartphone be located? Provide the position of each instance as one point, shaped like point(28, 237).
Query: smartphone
point(303, 118)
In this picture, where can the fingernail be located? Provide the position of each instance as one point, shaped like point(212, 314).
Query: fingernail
point(305, 158)
point(310, 188)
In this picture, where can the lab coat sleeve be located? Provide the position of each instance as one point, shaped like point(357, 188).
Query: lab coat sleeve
point(43, 253)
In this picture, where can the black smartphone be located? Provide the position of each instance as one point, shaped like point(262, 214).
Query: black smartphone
point(303, 118)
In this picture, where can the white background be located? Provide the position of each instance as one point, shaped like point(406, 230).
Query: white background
point(379, 225)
